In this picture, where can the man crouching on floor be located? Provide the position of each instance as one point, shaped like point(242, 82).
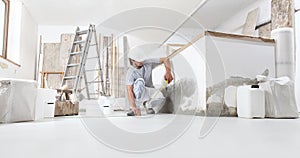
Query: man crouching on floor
point(139, 84)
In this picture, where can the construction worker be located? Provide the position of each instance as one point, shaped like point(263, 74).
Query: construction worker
point(139, 83)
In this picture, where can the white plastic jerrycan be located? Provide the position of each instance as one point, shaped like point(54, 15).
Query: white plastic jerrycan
point(250, 102)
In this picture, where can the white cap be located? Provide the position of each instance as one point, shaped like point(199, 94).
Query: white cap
point(137, 54)
point(140, 53)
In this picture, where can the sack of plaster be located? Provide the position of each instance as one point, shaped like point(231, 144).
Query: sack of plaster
point(279, 97)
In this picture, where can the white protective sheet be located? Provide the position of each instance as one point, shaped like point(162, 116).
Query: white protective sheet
point(280, 98)
point(17, 100)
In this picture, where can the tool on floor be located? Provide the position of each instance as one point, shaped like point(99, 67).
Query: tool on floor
point(79, 52)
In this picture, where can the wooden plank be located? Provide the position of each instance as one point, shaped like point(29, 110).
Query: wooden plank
point(123, 71)
point(113, 65)
point(192, 15)
point(99, 72)
point(239, 37)
point(170, 46)
point(222, 35)
point(187, 45)
point(39, 57)
point(65, 49)
point(107, 82)
point(175, 45)
point(53, 78)
point(249, 27)
point(43, 81)
point(116, 73)
point(49, 72)
point(51, 54)
point(6, 24)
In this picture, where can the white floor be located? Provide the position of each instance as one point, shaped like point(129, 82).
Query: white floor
point(70, 137)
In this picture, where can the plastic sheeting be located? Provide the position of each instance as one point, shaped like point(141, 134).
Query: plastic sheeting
point(17, 100)
point(285, 62)
point(279, 97)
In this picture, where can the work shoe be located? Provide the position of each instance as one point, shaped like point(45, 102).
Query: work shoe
point(130, 113)
point(150, 111)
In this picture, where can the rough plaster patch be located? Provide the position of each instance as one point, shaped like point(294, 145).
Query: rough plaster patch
point(265, 31)
point(282, 13)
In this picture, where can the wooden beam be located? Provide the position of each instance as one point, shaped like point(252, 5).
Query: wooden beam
point(173, 45)
point(99, 72)
point(176, 52)
point(116, 72)
point(38, 59)
point(222, 35)
point(239, 37)
point(202, 3)
point(6, 23)
point(45, 74)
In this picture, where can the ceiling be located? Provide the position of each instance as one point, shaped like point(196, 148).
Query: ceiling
point(217, 11)
point(83, 12)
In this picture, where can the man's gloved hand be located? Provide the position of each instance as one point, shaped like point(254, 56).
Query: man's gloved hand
point(137, 111)
point(168, 77)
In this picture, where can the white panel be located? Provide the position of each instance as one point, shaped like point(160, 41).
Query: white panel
point(191, 64)
point(241, 58)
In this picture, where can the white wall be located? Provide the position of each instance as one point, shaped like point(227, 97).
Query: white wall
point(235, 24)
point(297, 33)
point(2, 14)
point(52, 33)
point(22, 40)
point(7, 69)
point(28, 50)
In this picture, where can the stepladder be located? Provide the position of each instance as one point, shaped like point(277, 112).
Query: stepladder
point(83, 72)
